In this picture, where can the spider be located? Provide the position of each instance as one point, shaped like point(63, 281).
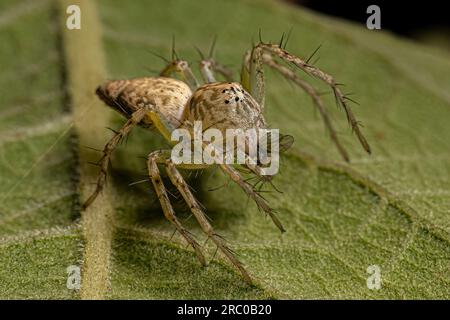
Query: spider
point(165, 103)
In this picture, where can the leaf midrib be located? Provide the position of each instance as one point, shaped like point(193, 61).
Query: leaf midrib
point(85, 66)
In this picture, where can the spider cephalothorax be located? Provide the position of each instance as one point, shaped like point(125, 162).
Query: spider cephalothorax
point(224, 105)
point(166, 104)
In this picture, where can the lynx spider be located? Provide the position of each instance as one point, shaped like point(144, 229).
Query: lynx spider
point(165, 103)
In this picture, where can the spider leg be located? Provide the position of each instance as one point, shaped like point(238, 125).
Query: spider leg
point(247, 187)
point(256, 81)
point(245, 71)
point(103, 163)
point(312, 92)
point(256, 75)
point(226, 72)
point(180, 67)
point(198, 213)
point(250, 191)
point(207, 71)
point(169, 213)
point(209, 66)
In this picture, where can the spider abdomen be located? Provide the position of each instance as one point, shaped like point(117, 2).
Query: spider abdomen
point(166, 95)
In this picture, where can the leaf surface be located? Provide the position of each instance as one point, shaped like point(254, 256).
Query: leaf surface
point(389, 209)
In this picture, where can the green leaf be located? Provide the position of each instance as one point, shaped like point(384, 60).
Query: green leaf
point(389, 209)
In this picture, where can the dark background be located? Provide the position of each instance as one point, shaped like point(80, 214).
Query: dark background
point(427, 21)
